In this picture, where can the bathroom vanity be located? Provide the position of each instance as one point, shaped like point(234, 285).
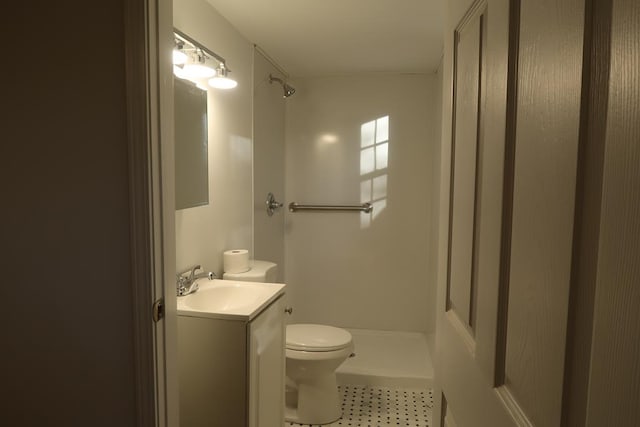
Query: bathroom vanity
point(231, 355)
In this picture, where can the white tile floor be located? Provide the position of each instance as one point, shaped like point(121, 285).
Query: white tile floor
point(371, 406)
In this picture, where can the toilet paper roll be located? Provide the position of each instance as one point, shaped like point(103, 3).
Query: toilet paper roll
point(236, 261)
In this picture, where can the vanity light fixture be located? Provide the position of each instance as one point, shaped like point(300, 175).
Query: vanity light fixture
point(197, 68)
point(202, 86)
point(179, 57)
point(179, 72)
point(221, 79)
point(196, 63)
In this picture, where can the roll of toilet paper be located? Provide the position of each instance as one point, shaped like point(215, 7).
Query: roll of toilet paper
point(236, 261)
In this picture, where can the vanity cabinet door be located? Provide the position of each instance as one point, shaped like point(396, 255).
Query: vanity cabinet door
point(266, 367)
point(213, 372)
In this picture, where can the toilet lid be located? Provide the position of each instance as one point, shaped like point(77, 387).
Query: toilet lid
point(309, 337)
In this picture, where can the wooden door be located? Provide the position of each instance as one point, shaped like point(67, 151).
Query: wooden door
point(510, 138)
point(614, 371)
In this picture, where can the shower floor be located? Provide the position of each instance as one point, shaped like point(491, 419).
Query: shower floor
point(389, 359)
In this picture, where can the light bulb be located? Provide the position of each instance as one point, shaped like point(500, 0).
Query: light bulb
point(196, 67)
point(179, 57)
point(179, 72)
point(198, 71)
point(221, 81)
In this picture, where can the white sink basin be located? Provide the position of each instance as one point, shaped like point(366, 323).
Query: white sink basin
point(228, 299)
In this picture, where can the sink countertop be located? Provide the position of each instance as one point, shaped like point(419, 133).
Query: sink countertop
point(229, 299)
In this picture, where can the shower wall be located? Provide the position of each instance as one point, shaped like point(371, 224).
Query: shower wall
point(268, 166)
point(354, 139)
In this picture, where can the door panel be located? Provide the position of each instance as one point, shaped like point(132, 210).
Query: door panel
point(615, 362)
point(546, 150)
point(467, 60)
point(501, 333)
point(476, 44)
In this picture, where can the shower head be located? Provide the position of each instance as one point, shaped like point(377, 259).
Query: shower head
point(288, 89)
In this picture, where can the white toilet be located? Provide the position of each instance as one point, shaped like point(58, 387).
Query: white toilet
point(313, 353)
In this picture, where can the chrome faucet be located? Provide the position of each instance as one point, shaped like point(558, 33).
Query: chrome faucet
point(186, 285)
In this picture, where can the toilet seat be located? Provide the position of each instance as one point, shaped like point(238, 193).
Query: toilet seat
point(316, 338)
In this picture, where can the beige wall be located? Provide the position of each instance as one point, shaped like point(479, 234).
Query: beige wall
point(67, 344)
point(268, 166)
point(352, 269)
point(204, 233)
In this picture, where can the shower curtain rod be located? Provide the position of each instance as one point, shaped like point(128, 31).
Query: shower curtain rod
point(271, 60)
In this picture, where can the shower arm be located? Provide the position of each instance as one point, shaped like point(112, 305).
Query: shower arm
point(276, 79)
point(288, 89)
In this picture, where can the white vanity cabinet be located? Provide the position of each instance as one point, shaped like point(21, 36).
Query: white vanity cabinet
point(267, 367)
point(232, 370)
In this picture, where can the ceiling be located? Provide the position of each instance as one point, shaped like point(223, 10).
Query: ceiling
point(328, 37)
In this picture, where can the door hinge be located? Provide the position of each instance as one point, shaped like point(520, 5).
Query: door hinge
point(158, 310)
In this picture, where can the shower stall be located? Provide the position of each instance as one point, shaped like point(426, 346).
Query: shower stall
point(353, 141)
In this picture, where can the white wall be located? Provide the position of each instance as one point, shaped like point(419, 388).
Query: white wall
point(435, 196)
point(268, 166)
point(203, 233)
point(351, 269)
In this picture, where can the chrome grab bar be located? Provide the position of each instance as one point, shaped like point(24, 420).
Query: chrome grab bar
point(365, 207)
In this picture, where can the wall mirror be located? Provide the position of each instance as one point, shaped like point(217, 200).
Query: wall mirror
point(191, 158)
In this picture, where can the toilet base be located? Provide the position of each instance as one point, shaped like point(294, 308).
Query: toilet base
point(314, 401)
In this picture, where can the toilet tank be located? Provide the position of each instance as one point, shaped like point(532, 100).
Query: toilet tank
point(259, 271)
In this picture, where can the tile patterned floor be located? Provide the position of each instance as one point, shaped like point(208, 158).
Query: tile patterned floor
point(367, 406)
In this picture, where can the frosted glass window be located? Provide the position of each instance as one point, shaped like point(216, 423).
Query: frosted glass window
point(367, 161)
point(382, 129)
point(367, 134)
